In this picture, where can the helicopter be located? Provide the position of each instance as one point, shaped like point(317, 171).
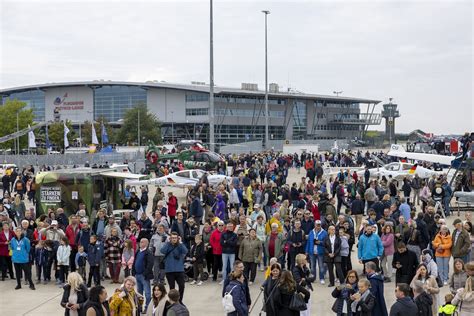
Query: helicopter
point(191, 158)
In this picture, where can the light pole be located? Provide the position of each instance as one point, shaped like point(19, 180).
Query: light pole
point(17, 130)
point(138, 114)
point(172, 128)
point(266, 12)
point(337, 93)
point(211, 81)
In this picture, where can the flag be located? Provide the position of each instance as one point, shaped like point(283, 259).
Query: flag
point(48, 144)
point(66, 141)
point(104, 136)
point(94, 135)
point(31, 139)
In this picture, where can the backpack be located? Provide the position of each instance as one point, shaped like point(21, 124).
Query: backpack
point(227, 301)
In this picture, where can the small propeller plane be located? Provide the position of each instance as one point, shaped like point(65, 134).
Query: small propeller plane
point(183, 178)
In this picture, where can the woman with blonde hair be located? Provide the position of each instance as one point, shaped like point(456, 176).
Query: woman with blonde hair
point(284, 209)
point(75, 295)
point(126, 301)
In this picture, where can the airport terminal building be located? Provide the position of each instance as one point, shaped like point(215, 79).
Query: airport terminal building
point(184, 109)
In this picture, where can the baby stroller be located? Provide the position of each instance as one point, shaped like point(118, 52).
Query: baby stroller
point(189, 273)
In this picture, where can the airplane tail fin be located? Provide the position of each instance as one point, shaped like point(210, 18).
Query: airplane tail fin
point(413, 169)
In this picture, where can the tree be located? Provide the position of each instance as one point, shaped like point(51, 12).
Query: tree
point(150, 127)
point(8, 120)
point(56, 134)
point(87, 131)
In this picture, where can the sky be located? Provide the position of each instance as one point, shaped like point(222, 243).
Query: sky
point(420, 53)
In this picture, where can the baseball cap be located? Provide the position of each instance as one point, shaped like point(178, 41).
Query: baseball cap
point(54, 222)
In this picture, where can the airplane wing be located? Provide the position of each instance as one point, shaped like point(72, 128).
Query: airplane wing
point(399, 151)
point(162, 182)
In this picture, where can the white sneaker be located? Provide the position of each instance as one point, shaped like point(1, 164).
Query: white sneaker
point(192, 283)
point(445, 283)
point(221, 282)
point(199, 283)
point(262, 268)
point(250, 283)
point(322, 282)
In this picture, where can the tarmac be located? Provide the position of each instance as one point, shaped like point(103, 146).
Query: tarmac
point(200, 300)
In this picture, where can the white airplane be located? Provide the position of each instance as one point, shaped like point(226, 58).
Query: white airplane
point(399, 171)
point(400, 152)
point(183, 178)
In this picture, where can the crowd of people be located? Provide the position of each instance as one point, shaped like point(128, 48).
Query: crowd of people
point(296, 234)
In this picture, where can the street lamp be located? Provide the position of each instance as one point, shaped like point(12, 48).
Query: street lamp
point(211, 81)
point(337, 93)
point(138, 114)
point(18, 136)
point(172, 128)
point(266, 12)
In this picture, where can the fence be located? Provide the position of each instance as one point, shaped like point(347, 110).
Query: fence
point(73, 159)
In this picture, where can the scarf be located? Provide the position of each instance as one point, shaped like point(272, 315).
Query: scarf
point(354, 305)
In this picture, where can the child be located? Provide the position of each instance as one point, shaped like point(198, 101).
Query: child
point(94, 255)
point(62, 255)
point(128, 257)
point(41, 260)
point(49, 248)
point(80, 260)
point(447, 308)
point(345, 251)
point(268, 271)
point(197, 255)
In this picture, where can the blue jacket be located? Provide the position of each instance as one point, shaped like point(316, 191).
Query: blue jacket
point(20, 250)
point(95, 253)
point(376, 288)
point(174, 261)
point(41, 256)
point(369, 247)
point(310, 243)
point(195, 209)
point(238, 298)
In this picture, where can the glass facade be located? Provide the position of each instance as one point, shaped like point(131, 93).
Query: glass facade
point(336, 127)
point(34, 99)
point(248, 113)
point(299, 119)
point(247, 100)
point(197, 111)
point(111, 102)
point(341, 105)
point(230, 134)
point(197, 97)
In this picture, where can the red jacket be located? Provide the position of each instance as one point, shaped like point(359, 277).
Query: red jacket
point(215, 242)
point(315, 210)
point(71, 234)
point(4, 251)
point(172, 206)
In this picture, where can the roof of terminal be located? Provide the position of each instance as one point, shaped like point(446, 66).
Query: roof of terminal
point(191, 87)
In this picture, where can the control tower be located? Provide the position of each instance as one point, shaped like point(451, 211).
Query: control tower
point(390, 113)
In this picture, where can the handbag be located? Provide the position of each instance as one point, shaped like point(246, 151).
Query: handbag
point(297, 302)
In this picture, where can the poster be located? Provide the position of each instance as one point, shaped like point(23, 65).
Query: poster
point(75, 195)
point(50, 194)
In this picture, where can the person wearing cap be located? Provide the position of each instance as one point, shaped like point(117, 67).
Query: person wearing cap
point(315, 250)
point(461, 241)
point(53, 232)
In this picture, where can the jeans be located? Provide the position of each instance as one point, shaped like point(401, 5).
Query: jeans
point(387, 266)
point(144, 285)
point(176, 277)
point(158, 274)
point(198, 270)
point(443, 268)
point(227, 261)
point(250, 271)
point(318, 260)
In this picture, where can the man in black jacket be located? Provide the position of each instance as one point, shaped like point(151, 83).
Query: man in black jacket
point(406, 262)
point(423, 300)
point(239, 266)
point(229, 243)
point(143, 270)
point(404, 306)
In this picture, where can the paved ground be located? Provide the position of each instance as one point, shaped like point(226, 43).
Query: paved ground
point(205, 299)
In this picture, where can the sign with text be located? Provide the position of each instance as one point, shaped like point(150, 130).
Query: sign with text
point(50, 194)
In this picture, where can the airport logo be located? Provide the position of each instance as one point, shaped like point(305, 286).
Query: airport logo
point(63, 104)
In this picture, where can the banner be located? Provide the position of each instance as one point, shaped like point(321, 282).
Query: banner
point(50, 194)
point(95, 141)
point(31, 139)
point(66, 141)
